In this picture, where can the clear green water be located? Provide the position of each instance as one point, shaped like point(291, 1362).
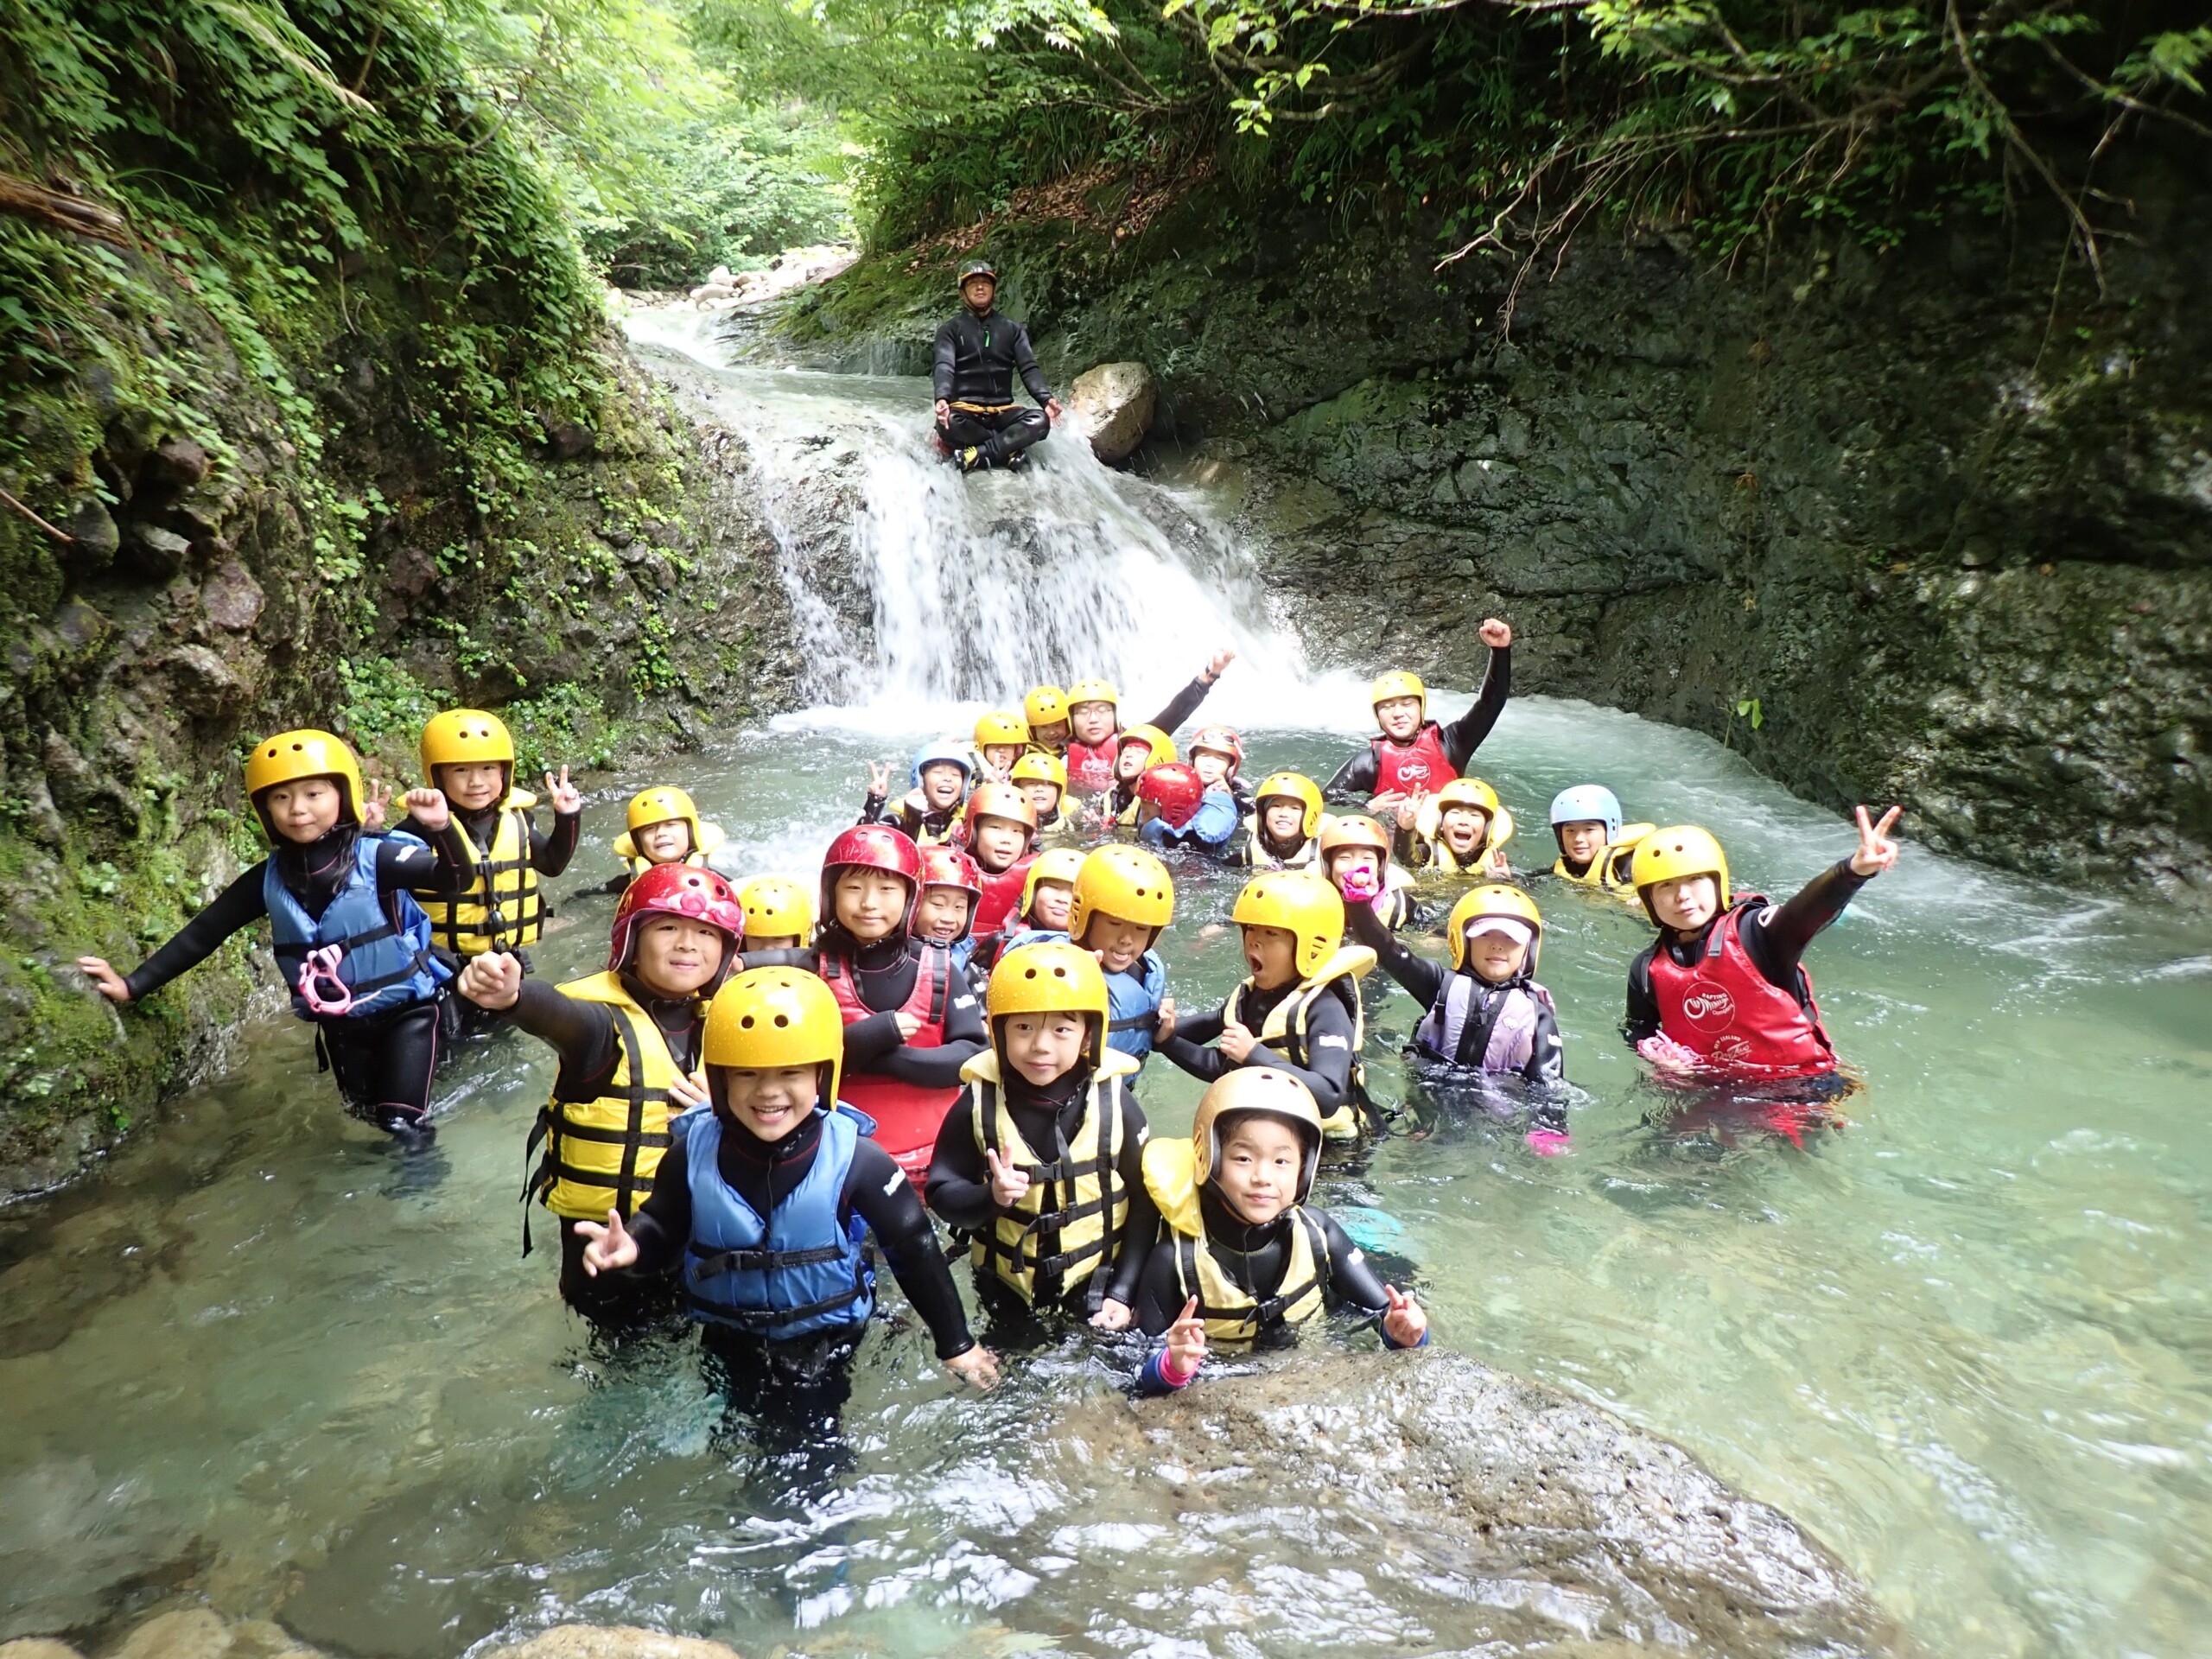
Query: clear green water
point(1968, 1343)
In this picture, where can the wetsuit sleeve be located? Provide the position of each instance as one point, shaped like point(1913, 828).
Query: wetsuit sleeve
point(945, 354)
point(1182, 705)
point(1547, 1051)
point(1465, 734)
point(872, 806)
point(1025, 360)
point(403, 868)
point(868, 1038)
point(1422, 979)
point(1642, 1018)
point(1355, 780)
point(550, 855)
point(1187, 1047)
point(1144, 1215)
point(939, 1067)
point(1352, 1280)
point(959, 1184)
point(881, 1194)
point(582, 1034)
point(1328, 1040)
point(1775, 938)
point(237, 905)
point(661, 1224)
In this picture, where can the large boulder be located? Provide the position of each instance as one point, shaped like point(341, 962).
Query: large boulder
point(614, 1642)
point(1114, 403)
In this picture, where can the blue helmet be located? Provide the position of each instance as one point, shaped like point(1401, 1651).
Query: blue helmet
point(946, 752)
point(1588, 801)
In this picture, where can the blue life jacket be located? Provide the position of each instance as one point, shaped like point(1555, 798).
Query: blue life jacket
point(384, 938)
point(798, 1272)
point(1133, 999)
point(1210, 830)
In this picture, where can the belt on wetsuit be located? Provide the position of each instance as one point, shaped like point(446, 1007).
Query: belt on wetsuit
point(981, 409)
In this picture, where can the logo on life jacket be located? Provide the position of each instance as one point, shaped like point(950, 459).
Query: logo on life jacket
point(1732, 1051)
point(1708, 1006)
point(1413, 772)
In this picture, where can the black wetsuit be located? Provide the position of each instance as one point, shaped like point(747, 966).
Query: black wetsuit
point(931, 827)
point(549, 854)
point(959, 1185)
point(1253, 1259)
point(382, 1062)
point(976, 359)
point(883, 974)
point(1774, 939)
point(1328, 1036)
point(582, 1034)
point(1356, 778)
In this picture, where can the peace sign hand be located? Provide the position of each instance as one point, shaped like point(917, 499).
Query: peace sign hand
point(878, 779)
point(1877, 852)
point(372, 809)
point(1404, 1323)
point(567, 799)
point(612, 1246)
point(1009, 1181)
point(1186, 1343)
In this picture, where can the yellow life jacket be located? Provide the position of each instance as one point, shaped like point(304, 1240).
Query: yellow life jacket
point(1232, 1314)
point(1431, 853)
point(1257, 855)
point(602, 1152)
point(1284, 1029)
point(1069, 1226)
point(501, 909)
point(710, 837)
point(1609, 870)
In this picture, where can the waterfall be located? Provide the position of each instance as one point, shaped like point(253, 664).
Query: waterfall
point(918, 592)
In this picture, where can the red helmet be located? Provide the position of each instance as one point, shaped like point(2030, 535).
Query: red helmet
point(873, 846)
point(682, 890)
point(1221, 740)
point(948, 867)
point(1175, 789)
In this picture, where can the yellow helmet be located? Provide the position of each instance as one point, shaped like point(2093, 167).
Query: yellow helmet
point(776, 907)
point(661, 803)
point(1496, 899)
point(462, 737)
point(1046, 705)
point(1125, 882)
point(1038, 767)
point(1061, 864)
point(1255, 1089)
point(1398, 684)
point(1159, 748)
point(1000, 728)
point(1299, 901)
point(999, 801)
point(1680, 850)
point(1353, 829)
point(1093, 691)
point(1052, 977)
point(290, 756)
point(770, 1017)
point(1468, 792)
point(1295, 786)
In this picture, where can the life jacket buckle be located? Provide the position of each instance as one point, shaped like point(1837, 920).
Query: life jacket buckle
point(321, 968)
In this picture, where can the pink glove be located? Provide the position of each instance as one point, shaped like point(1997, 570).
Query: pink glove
point(1548, 1143)
point(1669, 1055)
point(1361, 886)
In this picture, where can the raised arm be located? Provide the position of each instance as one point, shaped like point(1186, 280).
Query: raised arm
point(1465, 734)
point(237, 905)
point(1422, 979)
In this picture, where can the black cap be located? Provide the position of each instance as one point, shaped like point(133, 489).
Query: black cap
point(978, 268)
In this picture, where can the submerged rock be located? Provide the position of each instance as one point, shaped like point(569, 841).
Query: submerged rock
point(1114, 403)
point(1415, 1502)
point(191, 1633)
point(614, 1642)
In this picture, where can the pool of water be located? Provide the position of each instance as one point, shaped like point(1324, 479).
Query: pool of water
point(1967, 1341)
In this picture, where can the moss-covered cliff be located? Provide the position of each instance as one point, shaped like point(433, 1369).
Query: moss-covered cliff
point(1915, 525)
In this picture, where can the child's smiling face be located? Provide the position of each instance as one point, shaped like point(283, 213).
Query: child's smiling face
point(1582, 840)
point(665, 842)
point(1284, 818)
point(473, 785)
point(1463, 828)
point(942, 782)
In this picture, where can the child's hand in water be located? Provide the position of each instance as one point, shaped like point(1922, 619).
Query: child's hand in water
point(372, 809)
point(567, 799)
point(427, 807)
point(1404, 1324)
point(1877, 852)
point(978, 1367)
point(684, 1092)
point(908, 1024)
point(1112, 1315)
point(1666, 1054)
point(1008, 1179)
point(1163, 1025)
point(106, 979)
point(1237, 1041)
point(493, 979)
point(1186, 1344)
point(611, 1246)
point(878, 780)
point(1495, 635)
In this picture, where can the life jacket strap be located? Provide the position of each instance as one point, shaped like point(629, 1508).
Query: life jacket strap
point(711, 1262)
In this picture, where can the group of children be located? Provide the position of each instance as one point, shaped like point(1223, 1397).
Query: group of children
point(947, 1027)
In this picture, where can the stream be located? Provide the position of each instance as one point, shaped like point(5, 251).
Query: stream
point(1967, 1341)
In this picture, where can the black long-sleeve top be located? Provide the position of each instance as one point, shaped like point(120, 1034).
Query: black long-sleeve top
point(549, 854)
point(1182, 705)
point(313, 873)
point(959, 1185)
point(764, 1173)
point(976, 359)
point(1254, 1259)
point(583, 1033)
point(1774, 940)
point(912, 818)
point(1356, 778)
point(1330, 1051)
point(884, 974)
point(1425, 981)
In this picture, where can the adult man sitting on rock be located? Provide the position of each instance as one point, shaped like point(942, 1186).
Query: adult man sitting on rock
point(977, 352)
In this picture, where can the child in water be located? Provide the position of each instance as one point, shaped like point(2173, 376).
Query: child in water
point(1046, 893)
point(1460, 828)
point(1216, 754)
point(1096, 736)
point(1176, 810)
point(1245, 1256)
point(664, 828)
point(1123, 901)
point(930, 813)
point(764, 1205)
point(1141, 748)
point(1000, 739)
point(1041, 1165)
point(1594, 846)
point(1044, 710)
point(1412, 752)
point(1279, 832)
point(1356, 860)
point(1000, 826)
point(353, 947)
point(1298, 1008)
point(951, 884)
point(1720, 994)
point(778, 922)
point(628, 1039)
point(1042, 779)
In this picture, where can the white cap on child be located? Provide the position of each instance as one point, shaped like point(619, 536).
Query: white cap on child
point(1517, 931)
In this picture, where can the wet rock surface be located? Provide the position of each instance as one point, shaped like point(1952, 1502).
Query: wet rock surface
point(1419, 1504)
point(613, 1641)
point(1115, 403)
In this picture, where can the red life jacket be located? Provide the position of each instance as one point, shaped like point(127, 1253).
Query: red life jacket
point(1001, 896)
point(1732, 1016)
point(907, 1116)
point(1419, 767)
point(1091, 771)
